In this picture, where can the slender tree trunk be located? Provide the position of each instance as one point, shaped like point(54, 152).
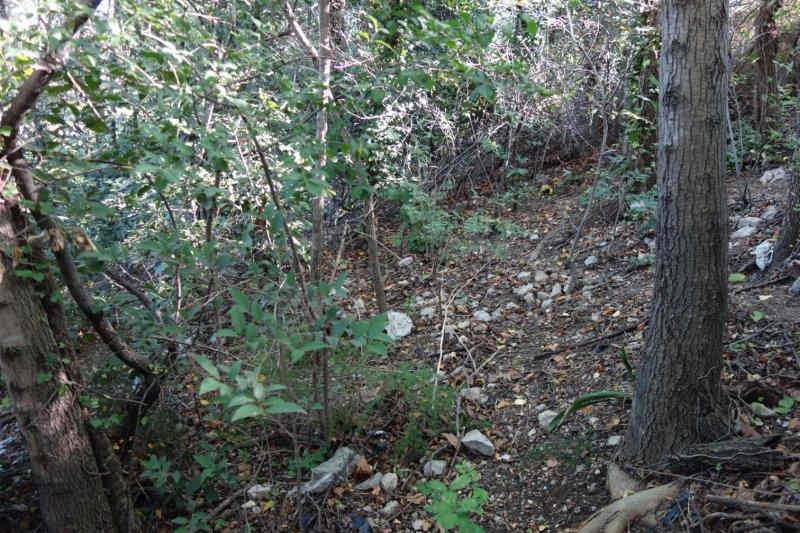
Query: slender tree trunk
point(678, 398)
point(374, 258)
point(43, 390)
point(790, 228)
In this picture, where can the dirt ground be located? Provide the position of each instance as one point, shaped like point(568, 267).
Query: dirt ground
point(527, 360)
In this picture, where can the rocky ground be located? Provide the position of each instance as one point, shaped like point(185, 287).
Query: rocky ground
point(499, 324)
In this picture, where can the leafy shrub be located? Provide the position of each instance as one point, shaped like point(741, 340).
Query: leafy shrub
point(449, 507)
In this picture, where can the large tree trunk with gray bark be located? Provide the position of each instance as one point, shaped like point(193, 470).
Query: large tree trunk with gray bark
point(678, 398)
point(43, 389)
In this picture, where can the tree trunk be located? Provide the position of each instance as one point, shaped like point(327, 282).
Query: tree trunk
point(46, 405)
point(374, 258)
point(678, 398)
point(766, 46)
point(790, 228)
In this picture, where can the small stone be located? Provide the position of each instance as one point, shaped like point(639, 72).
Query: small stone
point(464, 324)
point(481, 316)
point(427, 312)
point(614, 440)
point(420, 525)
point(477, 442)
point(511, 306)
point(540, 276)
point(556, 290)
point(525, 289)
point(742, 233)
point(794, 290)
point(370, 483)
point(399, 325)
point(259, 492)
point(475, 395)
point(391, 508)
point(547, 304)
point(590, 261)
point(529, 298)
point(748, 221)
point(545, 417)
point(523, 276)
point(389, 482)
point(543, 295)
point(249, 504)
point(434, 468)
point(406, 261)
point(539, 408)
point(774, 176)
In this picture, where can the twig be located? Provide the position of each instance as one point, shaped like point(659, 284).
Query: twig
point(593, 340)
point(767, 283)
point(444, 323)
point(751, 504)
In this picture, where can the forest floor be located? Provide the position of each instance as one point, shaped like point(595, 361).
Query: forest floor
point(532, 357)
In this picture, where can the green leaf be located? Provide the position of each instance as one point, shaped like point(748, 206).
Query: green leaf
point(757, 316)
point(43, 377)
point(585, 401)
point(278, 406)
point(209, 385)
point(207, 365)
point(247, 411)
point(239, 399)
point(736, 277)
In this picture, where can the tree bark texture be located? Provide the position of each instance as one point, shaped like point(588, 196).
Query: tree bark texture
point(45, 401)
point(790, 227)
point(766, 46)
point(678, 396)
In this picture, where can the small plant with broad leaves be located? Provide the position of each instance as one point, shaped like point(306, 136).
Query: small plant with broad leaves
point(450, 507)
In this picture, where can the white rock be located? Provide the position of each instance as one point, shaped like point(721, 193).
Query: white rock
point(406, 261)
point(770, 213)
point(774, 176)
point(259, 492)
point(540, 276)
point(741, 233)
point(477, 442)
point(481, 316)
point(391, 508)
point(543, 295)
point(525, 289)
point(590, 261)
point(464, 324)
point(748, 221)
point(524, 275)
point(427, 312)
point(764, 254)
point(547, 304)
point(434, 468)
point(545, 417)
point(614, 440)
point(370, 483)
point(399, 326)
point(389, 482)
point(556, 290)
point(475, 394)
point(511, 306)
point(794, 290)
point(420, 525)
point(529, 298)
